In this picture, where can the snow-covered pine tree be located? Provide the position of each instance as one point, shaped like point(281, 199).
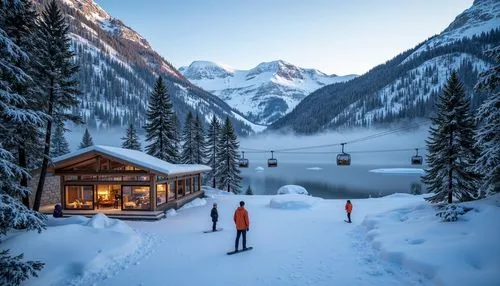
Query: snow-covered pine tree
point(161, 125)
point(86, 140)
point(188, 146)
point(451, 153)
point(13, 214)
point(131, 140)
point(59, 145)
point(199, 141)
point(213, 138)
point(175, 133)
point(227, 159)
point(55, 78)
point(488, 133)
point(19, 23)
point(249, 191)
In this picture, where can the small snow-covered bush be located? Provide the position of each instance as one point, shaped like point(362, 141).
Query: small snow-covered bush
point(451, 212)
point(171, 212)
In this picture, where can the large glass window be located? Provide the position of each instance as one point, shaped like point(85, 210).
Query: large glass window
point(136, 197)
point(71, 178)
point(108, 196)
point(181, 188)
point(161, 194)
point(195, 183)
point(189, 186)
point(110, 178)
point(88, 178)
point(79, 197)
point(171, 191)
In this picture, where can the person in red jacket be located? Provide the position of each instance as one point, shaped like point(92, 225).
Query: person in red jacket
point(348, 209)
point(242, 225)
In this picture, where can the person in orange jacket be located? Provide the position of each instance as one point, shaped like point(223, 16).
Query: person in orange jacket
point(242, 225)
point(348, 209)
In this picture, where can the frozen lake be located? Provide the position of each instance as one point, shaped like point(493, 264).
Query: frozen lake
point(329, 181)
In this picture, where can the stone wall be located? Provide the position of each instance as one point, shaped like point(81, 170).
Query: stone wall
point(51, 194)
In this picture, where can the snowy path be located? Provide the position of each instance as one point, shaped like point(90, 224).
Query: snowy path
point(292, 247)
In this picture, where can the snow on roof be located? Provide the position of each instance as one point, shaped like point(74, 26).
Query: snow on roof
point(137, 158)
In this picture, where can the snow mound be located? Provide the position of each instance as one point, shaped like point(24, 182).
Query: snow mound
point(77, 219)
point(73, 251)
point(292, 189)
point(102, 221)
point(212, 193)
point(314, 168)
point(194, 203)
point(399, 171)
point(399, 195)
point(171, 212)
point(293, 202)
point(447, 253)
point(259, 169)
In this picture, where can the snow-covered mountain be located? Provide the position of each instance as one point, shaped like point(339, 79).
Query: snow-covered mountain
point(263, 94)
point(118, 68)
point(406, 86)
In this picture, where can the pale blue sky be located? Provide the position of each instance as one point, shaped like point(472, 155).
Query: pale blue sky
point(334, 36)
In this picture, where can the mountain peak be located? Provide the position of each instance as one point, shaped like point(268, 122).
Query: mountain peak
point(205, 69)
point(93, 12)
point(482, 17)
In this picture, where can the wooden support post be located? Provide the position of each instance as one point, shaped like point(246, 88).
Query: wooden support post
point(152, 184)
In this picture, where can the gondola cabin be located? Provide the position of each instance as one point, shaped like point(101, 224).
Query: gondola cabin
point(243, 163)
point(272, 162)
point(343, 159)
point(416, 159)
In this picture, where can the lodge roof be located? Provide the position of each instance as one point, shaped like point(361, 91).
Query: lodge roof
point(136, 158)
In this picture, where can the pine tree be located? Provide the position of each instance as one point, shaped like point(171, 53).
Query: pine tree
point(59, 144)
point(86, 140)
point(161, 129)
point(13, 214)
point(55, 77)
point(188, 147)
point(19, 23)
point(131, 140)
point(177, 138)
point(213, 138)
point(199, 141)
point(450, 143)
point(227, 165)
point(488, 133)
point(249, 191)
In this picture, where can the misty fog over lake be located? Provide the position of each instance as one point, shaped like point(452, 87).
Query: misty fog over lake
point(330, 181)
point(325, 179)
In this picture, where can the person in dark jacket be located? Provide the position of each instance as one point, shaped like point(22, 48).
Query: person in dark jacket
point(215, 217)
point(57, 211)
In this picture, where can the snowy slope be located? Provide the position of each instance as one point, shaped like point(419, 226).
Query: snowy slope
point(264, 93)
point(297, 239)
point(118, 68)
point(405, 87)
point(483, 16)
point(416, 85)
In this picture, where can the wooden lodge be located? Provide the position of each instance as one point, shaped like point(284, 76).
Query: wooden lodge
point(122, 183)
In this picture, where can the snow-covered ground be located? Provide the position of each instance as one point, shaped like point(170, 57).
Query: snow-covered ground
point(297, 240)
